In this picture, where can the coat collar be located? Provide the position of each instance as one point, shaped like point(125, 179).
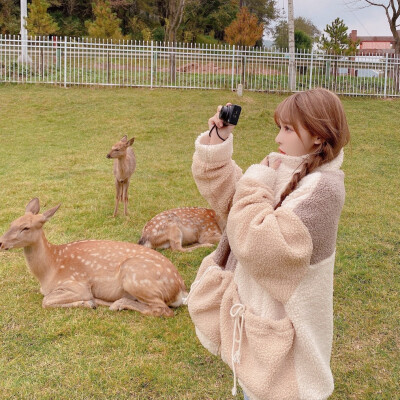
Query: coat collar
point(294, 163)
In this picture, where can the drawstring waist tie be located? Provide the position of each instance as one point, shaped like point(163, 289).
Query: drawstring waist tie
point(236, 312)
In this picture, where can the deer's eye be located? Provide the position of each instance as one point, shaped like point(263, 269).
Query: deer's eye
point(25, 229)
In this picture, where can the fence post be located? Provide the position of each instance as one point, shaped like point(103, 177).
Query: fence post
point(311, 67)
point(386, 68)
point(151, 67)
point(233, 67)
point(65, 61)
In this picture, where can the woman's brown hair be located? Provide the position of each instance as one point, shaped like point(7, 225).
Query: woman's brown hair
point(321, 113)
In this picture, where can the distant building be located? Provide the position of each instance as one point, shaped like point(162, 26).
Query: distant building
point(373, 44)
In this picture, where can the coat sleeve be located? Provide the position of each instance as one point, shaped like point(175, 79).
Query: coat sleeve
point(216, 174)
point(274, 246)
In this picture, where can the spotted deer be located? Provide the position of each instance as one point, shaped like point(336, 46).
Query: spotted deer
point(175, 228)
point(124, 166)
point(88, 273)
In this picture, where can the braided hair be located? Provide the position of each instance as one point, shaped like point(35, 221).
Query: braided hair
point(320, 112)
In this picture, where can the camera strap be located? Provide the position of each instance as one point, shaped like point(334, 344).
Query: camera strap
point(216, 130)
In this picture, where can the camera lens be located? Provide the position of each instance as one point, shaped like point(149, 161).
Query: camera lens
point(224, 113)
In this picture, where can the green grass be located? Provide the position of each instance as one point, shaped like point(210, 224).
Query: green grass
point(53, 146)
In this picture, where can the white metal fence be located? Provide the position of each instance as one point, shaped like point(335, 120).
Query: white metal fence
point(82, 61)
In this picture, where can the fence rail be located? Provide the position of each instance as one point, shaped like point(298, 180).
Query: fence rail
point(82, 61)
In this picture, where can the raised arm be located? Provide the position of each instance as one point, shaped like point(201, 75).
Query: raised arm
point(213, 169)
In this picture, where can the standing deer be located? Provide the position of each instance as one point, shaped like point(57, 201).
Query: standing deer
point(182, 226)
point(124, 166)
point(88, 273)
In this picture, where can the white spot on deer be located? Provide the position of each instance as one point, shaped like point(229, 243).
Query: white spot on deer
point(62, 266)
point(72, 255)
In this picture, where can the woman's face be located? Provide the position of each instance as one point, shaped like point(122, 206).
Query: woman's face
point(295, 143)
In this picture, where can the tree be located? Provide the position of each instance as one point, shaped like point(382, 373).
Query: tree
point(39, 22)
point(337, 41)
point(245, 30)
point(302, 41)
point(209, 17)
point(106, 24)
point(174, 18)
point(265, 10)
point(301, 24)
point(9, 18)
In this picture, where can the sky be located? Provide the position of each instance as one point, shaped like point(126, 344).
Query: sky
point(370, 21)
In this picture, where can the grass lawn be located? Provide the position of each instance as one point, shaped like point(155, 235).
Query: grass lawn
point(53, 145)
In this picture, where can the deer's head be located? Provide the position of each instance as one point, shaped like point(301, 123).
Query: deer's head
point(26, 230)
point(119, 148)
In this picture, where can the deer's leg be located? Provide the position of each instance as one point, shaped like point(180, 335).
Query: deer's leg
point(117, 196)
point(125, 196)
point(100, 302)
point(79, 296)
point(157, 309)
point(210, 238)
point(196, 246)
point(175, 236)
point(147, 291)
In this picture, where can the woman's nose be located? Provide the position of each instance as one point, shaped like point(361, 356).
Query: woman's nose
point(277, 138)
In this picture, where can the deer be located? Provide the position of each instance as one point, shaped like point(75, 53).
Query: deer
point(87, 273)
point(175, 228)
point(124, 166)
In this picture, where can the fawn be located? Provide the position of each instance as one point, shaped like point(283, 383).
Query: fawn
point(88, 273)
point(182, 226)
point(124, 166)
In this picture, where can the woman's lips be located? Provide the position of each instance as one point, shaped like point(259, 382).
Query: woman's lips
point(282, 152)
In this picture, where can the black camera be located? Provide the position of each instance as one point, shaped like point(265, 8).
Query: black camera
point(230, 114)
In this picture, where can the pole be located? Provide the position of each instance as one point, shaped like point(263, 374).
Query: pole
point(233, 68)
point(311, 67)
point(386, 69)
point(292, 67)
point(24, 34)
point(151, 65)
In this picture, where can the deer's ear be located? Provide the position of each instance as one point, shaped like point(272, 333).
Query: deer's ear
point(130, 141)
point(33, 206)
point(49, 213)
point(124, 138)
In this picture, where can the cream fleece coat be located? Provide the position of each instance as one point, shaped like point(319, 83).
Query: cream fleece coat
point(271, 319)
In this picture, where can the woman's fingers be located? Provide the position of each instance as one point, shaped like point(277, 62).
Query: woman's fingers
point(275, 165)
point(265, 161)
point(215, 120)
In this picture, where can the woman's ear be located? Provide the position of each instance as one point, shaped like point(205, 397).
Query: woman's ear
point(317, 140)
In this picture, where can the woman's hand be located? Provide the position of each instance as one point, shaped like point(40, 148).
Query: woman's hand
point(223, 131)
point(275, 165)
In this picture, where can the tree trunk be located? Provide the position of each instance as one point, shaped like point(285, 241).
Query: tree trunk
point(174, 19)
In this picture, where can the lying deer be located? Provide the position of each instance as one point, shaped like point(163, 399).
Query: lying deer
point(182, 226)
point(124, 166)
point(88, 273)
